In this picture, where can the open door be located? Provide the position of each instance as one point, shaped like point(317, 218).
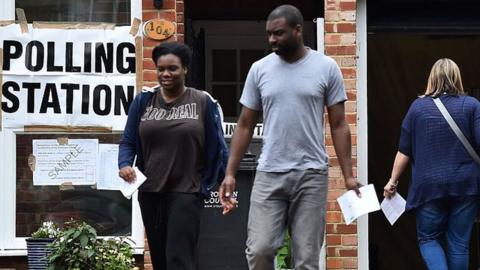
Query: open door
point(401, 52)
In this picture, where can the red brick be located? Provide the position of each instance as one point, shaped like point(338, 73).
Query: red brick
point(330, 228)
point(149, 76)
point(168, 4)
point(347, 252)
point(148, 64)
point(334, 263)
point(336, 183)
point(147, 259)
point(334, 194)
point(334, 217)
point(168, 15)
point(331, 15)
point(340, 50)
point(180, 28)
point(328, 140)
point(180, 18)
point(334, 240)
point(354, 139)
point(346, 27)
point(147, 4)
point(147, 42)
point(344, 5)
point(148, 15)
point(346, 229)
point(331, 251)
point(332, 5)
point(351, 106)
point(349, 240)
point(351, 95)
point(348, 61)
point(332, 39)
point(330, 27)
point(349, 263)
point(180, 7)
point(330, 150)
point(147, 52)
point(333, 206)
point(351, 118)
point(181, 38)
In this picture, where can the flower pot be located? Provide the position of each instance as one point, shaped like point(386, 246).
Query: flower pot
point(37, 252)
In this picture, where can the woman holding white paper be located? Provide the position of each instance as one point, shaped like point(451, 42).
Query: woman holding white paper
point(176, 135)
point(444, 187)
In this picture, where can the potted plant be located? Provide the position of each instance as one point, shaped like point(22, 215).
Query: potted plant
point(38, 245)
point(74, 247)
point(77, 247)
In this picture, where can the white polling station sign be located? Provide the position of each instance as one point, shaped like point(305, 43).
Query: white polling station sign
point(72, 77)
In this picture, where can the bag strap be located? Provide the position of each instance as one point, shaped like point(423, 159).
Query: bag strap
point(456, 129)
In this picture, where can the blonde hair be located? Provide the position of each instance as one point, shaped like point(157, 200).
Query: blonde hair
point(444, 78)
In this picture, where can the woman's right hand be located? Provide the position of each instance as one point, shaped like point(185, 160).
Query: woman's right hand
point(390, 188)
point(225, 191)
point(128, 174)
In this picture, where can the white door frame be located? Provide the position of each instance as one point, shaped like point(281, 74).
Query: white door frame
point(362, 127)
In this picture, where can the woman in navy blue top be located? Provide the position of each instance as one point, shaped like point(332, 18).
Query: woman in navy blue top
point(445, 179)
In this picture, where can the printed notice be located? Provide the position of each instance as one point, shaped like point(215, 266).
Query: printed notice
point(393, 208)
point(353, 206)
point(74, 162)
point(108, 178)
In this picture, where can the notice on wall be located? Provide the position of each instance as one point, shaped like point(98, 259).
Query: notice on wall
point(108, 178)
point(229, 128)
point(71, 77)
point(58, 163)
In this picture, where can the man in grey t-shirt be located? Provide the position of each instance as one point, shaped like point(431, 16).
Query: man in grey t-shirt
point(291, 86)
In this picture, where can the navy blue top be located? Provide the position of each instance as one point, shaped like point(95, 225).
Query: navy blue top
point(441, 166)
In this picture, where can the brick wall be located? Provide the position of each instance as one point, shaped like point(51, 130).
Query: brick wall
point(172, 10)
point(340, 43)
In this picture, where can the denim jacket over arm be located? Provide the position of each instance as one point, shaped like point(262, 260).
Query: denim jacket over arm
point(216, 153)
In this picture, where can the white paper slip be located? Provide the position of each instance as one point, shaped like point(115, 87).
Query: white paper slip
point(128, 189)
point(393, 208)
point(352, 206)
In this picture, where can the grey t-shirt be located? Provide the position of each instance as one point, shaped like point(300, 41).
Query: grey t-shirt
point(292, 97)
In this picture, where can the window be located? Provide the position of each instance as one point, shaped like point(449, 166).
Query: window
point(24, 206)
point(107, 211)
point(113, 11)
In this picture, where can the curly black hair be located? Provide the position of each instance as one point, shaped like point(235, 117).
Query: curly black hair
point(180, 50)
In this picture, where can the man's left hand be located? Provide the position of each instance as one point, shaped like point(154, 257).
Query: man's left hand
point(352, 184)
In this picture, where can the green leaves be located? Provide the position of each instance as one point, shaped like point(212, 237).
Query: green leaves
point(284, 254)
point(77, 247)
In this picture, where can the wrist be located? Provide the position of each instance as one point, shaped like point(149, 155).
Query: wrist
point(393, 181)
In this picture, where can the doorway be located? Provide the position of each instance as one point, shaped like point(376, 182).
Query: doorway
point(405, 38)
point(227, 37)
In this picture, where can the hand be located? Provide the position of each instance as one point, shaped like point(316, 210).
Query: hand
point(390, 188)
point(225, 193)
point(352, 184)
point(128, 174)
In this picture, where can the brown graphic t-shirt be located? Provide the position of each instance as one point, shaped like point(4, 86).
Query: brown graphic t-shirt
point(172, 137)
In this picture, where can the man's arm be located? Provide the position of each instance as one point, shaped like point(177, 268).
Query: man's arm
point(342, 143)
point(240, 140)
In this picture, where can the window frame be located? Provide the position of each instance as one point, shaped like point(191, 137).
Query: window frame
point(10, 245)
